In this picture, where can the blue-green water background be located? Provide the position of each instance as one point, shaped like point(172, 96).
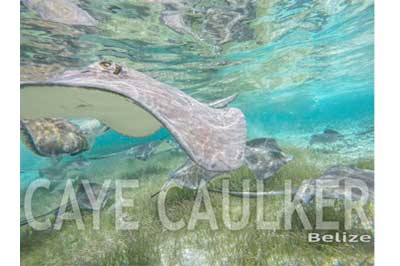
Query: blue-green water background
point(303, 67)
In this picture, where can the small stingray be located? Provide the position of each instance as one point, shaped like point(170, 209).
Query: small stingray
point(60, 136)
point(190, 175)
point(52, 137)
point(333, 183)
point(328, 136)
point(339, 175)
point(136, 105)
point(61, 11)
point(263, 157)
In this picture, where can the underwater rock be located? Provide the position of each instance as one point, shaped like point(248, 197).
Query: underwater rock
point(334, 180)
point(263, 157)
point(52, 137)
point(61, 11)
point(136, 105)
point(328, 136)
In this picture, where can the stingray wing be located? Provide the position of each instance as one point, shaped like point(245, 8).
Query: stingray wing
point(136, 105)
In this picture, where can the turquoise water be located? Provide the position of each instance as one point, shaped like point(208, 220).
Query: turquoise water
point(299, 67)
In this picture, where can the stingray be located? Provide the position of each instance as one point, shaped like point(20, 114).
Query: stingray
point(61, 11)
point(333, 182)
point(52, 137)
point(56, 137)
point(190, 175)
point(145, 150)
point(263, 157)
point(136, 105)
point(328, 136)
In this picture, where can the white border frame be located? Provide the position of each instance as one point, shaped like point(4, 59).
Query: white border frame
point(387, 95)
point(9, 156)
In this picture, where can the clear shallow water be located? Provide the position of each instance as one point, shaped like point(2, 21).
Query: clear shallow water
point(299, 67)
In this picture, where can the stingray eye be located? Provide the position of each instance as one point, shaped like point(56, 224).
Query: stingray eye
point(117, 69)
point(105, 64)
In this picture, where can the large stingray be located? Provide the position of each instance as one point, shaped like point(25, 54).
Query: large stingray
point(145, 150)
point(136, 105)
point(62, 11)
point(263, 157)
